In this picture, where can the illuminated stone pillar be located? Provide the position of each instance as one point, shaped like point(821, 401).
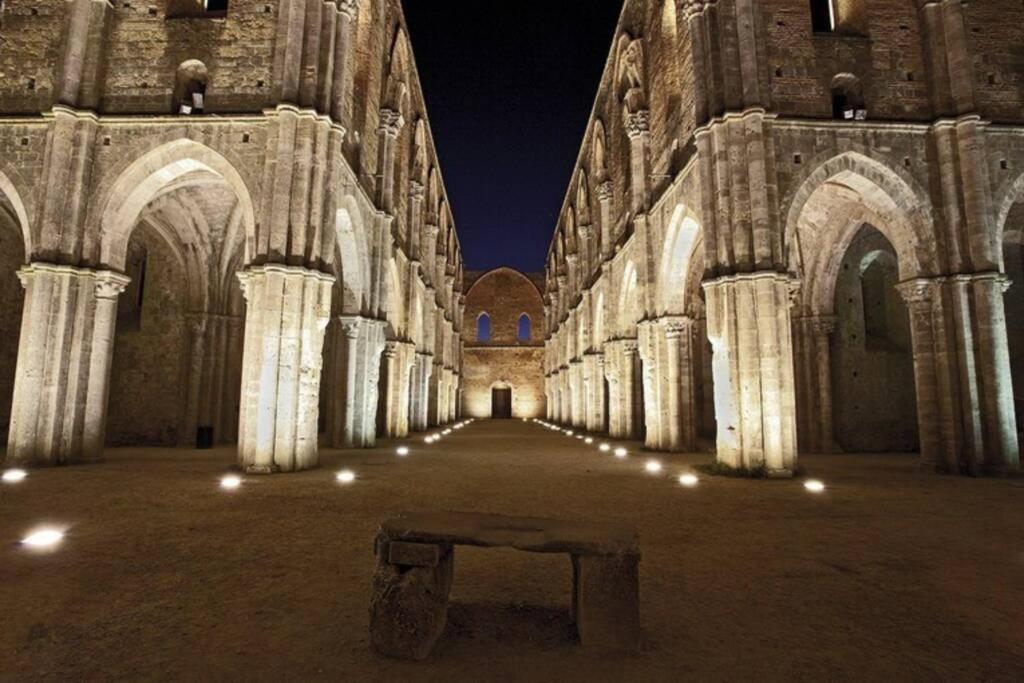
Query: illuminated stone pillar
point(287, 315)
point(352, 410)
point(812, 348)
point(453, 398)
point(638, 128)
point(667, 352)
point(576, 388)
point(751, 334)
point(59, 410)
point(391, 124)
point(622, 364)
point(962, 374)
point(396, 372)
point(593, 370)
point(605, 195)
point(424, 367)
point(343, 66)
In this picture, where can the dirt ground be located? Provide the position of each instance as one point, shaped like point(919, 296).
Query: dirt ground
point(890, 574)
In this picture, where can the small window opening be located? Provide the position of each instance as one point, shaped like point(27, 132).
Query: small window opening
point(197, 9)
point(823, 16)
point(483, 328)
point(525, 331)
point(190, 88)
point(848, 98)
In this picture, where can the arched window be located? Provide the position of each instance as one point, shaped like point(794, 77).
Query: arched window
point(483, 328)
point(206, 9)
point(190, 88)
point(848, 98)
point(823, 16)
point(525, 332)
point(839, 16)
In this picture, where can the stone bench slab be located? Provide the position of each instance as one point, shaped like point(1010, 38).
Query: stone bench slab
point(530, 534)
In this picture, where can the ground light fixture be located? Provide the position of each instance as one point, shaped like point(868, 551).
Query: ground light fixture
point(653, 467)
point(447, 432)
point(346, 477)
point(814, 486)
point(402, 451)
point(14, 476)
point(230, 482)
point(44, 538)
point(621, 452)
point(569, 432)
point(604, 448)
point(588, 441)
point(688, 480)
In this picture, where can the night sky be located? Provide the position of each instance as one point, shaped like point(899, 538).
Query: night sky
point(509, 86)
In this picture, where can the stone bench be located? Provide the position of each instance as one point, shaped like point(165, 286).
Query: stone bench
point(413, 578)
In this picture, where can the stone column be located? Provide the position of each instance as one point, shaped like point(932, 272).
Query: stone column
point(421, 390)
point(750, 331)
point(453, 405)
point(287, 315)
point(417, 193)
point(812, 351)
point(352, 422)
point(58, 415)
point(344, 60)
point(391, 124)
point(638, 128)
point(962, 374)
point(576, 387)
point(667, 352)
point(593, 364)
point(396, 371)
point(605, 194)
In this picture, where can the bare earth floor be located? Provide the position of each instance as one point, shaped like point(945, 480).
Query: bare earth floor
point(889, 574)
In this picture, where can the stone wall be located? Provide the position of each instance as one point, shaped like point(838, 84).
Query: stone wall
point(148, 379)
point(12, 257)
point(734, 153)
point(505, 361)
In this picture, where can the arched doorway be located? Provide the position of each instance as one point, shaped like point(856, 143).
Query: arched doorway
point(853, 235)
point(501, 402)
point(177, 223)
point(12, 297)
point(1013, 262)
point(872, 360)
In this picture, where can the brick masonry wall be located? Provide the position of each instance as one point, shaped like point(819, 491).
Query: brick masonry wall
point(504, 295)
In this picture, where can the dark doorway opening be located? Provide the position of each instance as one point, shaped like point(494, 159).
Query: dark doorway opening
point(501, 404)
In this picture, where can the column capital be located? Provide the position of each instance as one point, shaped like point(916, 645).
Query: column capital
point(695, 8)
point(417, 189)
point(391, 122)
point(920, 291)
point(638, 123)
point(348, 8)
point(606, 191)
point(431, 230)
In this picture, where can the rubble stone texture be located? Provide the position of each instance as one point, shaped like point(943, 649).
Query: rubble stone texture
point(791, 236)
point(227, 228)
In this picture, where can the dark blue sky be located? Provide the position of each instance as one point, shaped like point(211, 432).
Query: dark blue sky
point(509, 85)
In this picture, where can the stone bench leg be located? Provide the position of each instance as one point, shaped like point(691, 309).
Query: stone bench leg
point(409, 605)
point(606, 601)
